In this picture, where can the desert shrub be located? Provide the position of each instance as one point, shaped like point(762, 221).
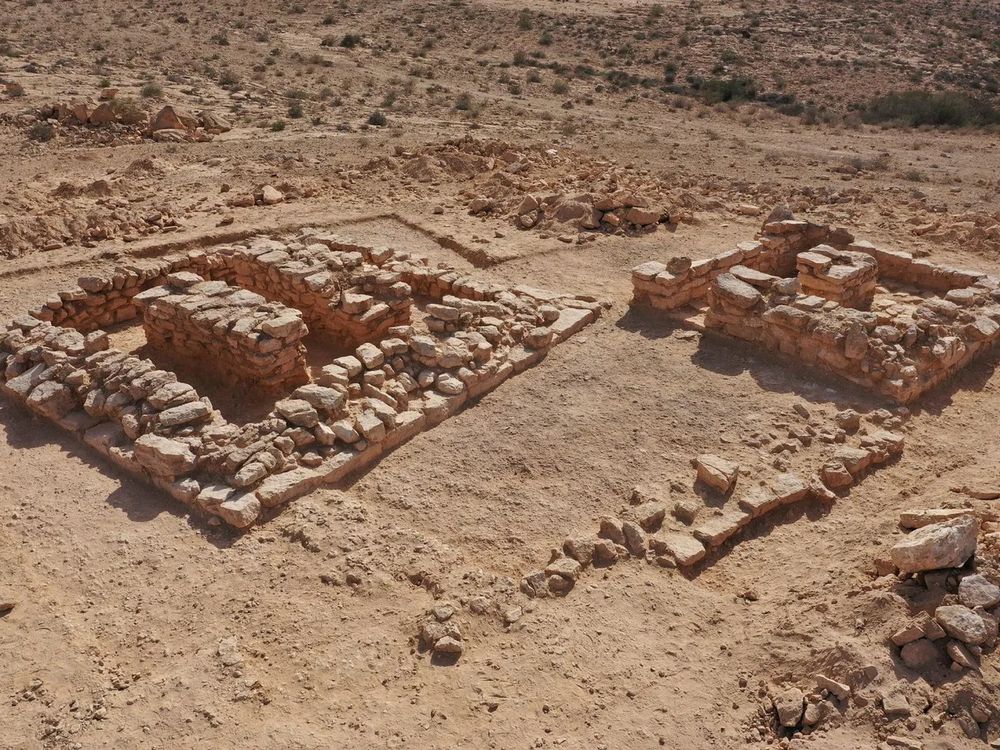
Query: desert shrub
point(463, 103)
point(350, 41)
point(716, 90)
point(934, 108)
point(151, 90)
point(377, 118)
point(41, 132)
point(277, 126)
point(295, 110)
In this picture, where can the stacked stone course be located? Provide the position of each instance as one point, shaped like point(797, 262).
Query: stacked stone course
point(235, 334)
point(840, 275)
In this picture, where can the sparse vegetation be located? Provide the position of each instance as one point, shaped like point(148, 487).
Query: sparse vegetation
point(151, 90)
point(932, 108)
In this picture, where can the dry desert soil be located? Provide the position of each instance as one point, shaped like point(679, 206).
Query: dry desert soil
point(128, 620)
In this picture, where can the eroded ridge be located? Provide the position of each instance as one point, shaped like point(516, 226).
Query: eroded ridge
point(882, 319)
point(425, 340)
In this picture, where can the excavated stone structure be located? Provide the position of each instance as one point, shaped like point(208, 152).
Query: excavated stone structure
point(805, 290)
point(255, 301)
point(236, 335)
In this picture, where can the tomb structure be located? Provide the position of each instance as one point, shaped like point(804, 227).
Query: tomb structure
point(887, 321)
point(423, 341)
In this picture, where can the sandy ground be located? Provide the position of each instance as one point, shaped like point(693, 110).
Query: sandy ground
point(138, 625)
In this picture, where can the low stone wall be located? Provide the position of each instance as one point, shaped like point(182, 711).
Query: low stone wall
point(680, 282)
point(474, 336)
point(233, 334)
point(901, 356)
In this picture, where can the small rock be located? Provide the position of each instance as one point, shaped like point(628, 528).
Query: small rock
point(920, 654)
point(718, 473)
point(960, 654)
point(978, 591)
point(789, 704)
point(962, 623)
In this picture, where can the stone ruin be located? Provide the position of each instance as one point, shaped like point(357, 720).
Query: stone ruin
point(879, 318)
point(422, 342)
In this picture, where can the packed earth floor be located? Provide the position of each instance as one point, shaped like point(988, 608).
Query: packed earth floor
point(658, 533)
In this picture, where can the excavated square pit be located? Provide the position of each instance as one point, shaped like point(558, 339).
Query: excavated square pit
point(400, 345)
point(881, 319)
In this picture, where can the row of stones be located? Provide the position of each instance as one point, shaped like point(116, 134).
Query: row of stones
point(680, 282)
point(637, 535)
point(233, 333)
point(901, 355)
point(341, 291)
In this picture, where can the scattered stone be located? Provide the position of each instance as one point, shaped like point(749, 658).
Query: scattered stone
point(838, 689)
point(960, 655)
point(565, 567)
point(635, 539)
point(895, 705)
point(718, 473)
point(920, 655)
point(962, 623)
point(917, 519)
point(977, 591)
point(789, 705)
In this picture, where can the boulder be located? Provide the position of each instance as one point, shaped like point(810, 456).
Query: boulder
point(940, 545)
point(103, 114)
point(977, 591)
point(920, 654)
point(789, 705)
point(172, 118)
point(214, 123)
point(270, 195)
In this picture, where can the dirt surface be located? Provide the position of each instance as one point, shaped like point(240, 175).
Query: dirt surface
point(139, 625)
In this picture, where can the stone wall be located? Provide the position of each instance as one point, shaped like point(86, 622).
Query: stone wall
point(899, 355)
point(680, 282)
point(840, 275)
point(235, 335)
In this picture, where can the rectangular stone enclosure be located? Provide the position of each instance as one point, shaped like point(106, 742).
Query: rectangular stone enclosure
point(425, 340)
point(882, 319)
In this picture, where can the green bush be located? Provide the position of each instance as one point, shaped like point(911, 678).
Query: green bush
point(716, 90)
point(935, 108)
point(41, 132)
